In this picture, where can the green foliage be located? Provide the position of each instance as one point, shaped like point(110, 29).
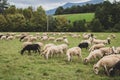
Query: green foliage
point(16, 22)
point(96, 26)
point(59, 10)
point(3, 23)
point(79, 26)
point(3, 5)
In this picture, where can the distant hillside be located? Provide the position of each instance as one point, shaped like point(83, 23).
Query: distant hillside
point(52, 11)
point(73, 17)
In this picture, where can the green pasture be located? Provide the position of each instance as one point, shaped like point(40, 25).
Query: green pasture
point(73, 17)
point(14, 66)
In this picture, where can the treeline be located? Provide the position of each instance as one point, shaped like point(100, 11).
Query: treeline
point(88, 8)
point(107, 18)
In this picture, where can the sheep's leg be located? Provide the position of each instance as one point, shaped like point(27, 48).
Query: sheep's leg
point(39, 51)
point(29, 52)
point(69, 58)
point(106, 70)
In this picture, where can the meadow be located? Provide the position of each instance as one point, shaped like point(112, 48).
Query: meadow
point(74, 17)
point(14, 66)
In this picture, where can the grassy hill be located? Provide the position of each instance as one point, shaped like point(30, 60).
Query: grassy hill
point(73, 17)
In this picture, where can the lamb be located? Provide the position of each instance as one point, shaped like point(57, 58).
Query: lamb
point(93, 55)
point(107, 62)
point(73, 51)
point(96, 46)
point(114, 68)
point(83, 45)
point(51, 38)
point(34, 47)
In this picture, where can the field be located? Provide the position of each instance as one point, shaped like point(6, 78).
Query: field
point(73, 17)
point(14, 66)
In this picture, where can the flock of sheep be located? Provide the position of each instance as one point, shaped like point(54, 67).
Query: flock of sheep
point(106, 57)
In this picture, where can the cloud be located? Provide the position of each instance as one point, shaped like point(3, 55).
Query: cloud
point(46, 4)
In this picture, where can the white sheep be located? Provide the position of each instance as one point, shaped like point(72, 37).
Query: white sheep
point(93, 55)
point(65, 40)
point(10, 37)
point(53, 50)
point(106, 62)
point(73, 51)
point(96, 46)
point(98, 41)
point(26, 43)
point(64, 47)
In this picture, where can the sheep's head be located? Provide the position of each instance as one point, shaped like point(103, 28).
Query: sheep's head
point(85, 60)
point(95, 69)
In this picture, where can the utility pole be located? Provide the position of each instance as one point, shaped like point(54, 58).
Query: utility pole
point(47, 23)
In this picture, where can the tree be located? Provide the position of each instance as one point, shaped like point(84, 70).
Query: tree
point(16, 22)
point(3, 23)
point(3, 5)
point(59, 10)
point(96, 26)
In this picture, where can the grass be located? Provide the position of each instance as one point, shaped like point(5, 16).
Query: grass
point(13, 66)
point(73, 17)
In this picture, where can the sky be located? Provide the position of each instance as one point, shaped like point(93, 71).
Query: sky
point(46, 4)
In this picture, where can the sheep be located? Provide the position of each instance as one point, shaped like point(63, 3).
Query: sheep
point(65, 40)
point(93, 55)
point(97, 41)
point(44, 38)
point(26, 43)
point(22, 37)
point(73, 51)
point(33, 39)
point(107, 50)
point(117, 50)
point(83, 45)
point(34, 47)
point(53, 50)
point(96, 46)
point(114, 69)
point(107, 62)
point(113, 36)
point(58, 39)
point(3, 37)
point(51, 38)
point(10, 38)
point(64, 47)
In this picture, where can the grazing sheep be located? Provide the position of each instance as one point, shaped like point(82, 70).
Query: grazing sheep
point(93, 55)
point(33, 39)
point(97, 41)
point(73, 51)
point(59, 39)
point(3, 37)
point(22, 38)
point(106, 62)
point(113, 36)
point(64, 47)
point(65, 40)
point(96, 46)
point(26, 43)
point(51, 38)
point(44, 38)
point(29, 47)
point(10, 38)
point(83, 45)
point(53, 50)
point(107, 50)
point(114, 69)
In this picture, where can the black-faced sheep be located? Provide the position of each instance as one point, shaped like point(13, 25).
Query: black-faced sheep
point(29, 47)
point(83, 45)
